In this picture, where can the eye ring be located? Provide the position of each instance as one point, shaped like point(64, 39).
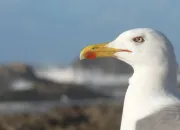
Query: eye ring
point(138, 39)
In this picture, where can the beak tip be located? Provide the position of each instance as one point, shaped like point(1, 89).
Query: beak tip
point(81, 57)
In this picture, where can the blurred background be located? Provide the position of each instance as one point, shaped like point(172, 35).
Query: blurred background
point(44, 85)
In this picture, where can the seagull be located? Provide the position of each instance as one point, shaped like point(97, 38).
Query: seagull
point(152, 100)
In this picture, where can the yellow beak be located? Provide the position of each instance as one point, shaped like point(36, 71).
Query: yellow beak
point(98, 50)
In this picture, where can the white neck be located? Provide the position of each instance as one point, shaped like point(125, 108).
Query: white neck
point(150, 88)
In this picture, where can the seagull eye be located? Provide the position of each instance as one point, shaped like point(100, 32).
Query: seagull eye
point(139, 39)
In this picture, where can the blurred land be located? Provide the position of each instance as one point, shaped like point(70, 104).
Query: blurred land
point(23, 82)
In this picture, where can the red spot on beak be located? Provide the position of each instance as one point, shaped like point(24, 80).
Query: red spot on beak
point(90, 55)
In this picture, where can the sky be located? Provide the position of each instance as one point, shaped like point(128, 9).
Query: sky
point(55, 31)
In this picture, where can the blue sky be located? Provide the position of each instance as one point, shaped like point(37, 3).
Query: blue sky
point(54, 31)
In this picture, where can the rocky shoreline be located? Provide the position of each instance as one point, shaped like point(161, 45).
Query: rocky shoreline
point(96, 117)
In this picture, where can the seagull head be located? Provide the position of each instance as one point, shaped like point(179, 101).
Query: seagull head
point(141, 46)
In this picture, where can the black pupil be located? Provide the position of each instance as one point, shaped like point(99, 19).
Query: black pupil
point(138, 39)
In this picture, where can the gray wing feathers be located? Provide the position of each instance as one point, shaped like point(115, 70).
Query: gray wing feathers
point(165, 119)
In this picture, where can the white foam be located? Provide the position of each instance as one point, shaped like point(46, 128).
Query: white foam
point(80, 76)
point(21, 84)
